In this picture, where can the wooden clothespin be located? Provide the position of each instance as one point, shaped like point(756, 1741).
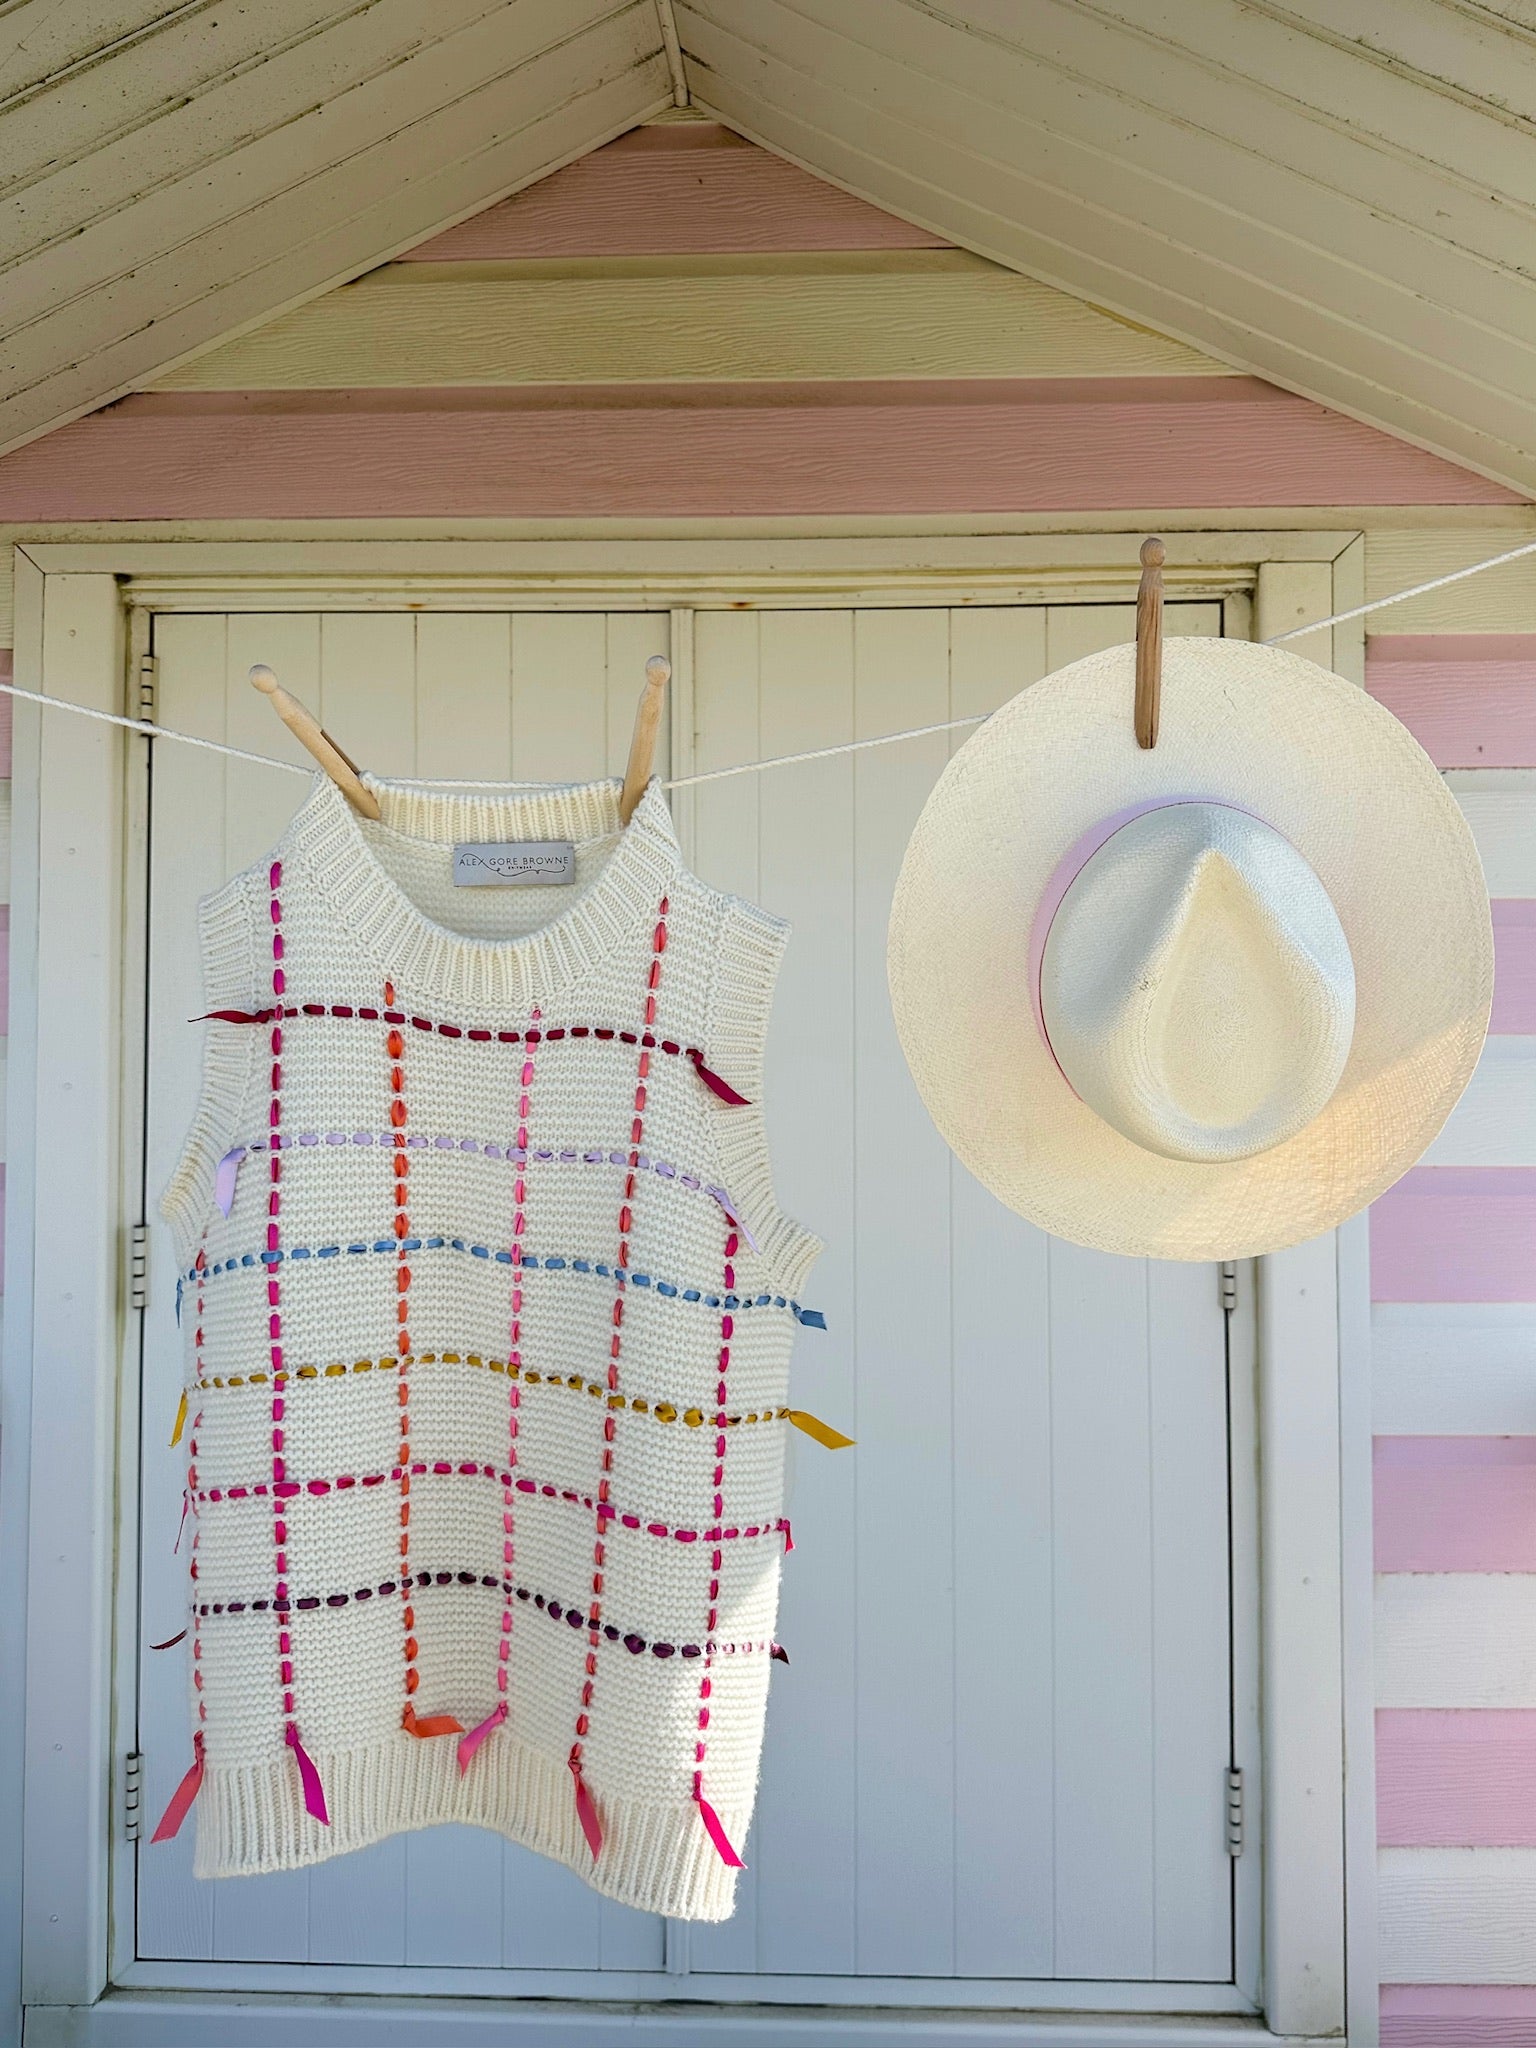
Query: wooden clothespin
point(309, 733)
point(642, 747)
point(1149, 642)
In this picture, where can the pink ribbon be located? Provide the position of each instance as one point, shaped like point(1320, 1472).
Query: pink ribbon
point(477, 1735)
point(586, 1809)
point(716, 1832)
point(309, 1778)
point(183, 1796)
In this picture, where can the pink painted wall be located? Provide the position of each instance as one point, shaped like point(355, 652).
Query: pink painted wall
point(1053, 444)
point(1468, 698)
point(686, 189)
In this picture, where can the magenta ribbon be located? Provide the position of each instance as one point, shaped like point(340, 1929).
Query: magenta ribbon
point(586, 1809)
point(183, 1796)
point(309, 1778)
point(477, 1735)
point(715, 1829)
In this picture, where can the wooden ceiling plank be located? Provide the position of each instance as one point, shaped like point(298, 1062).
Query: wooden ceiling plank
point(1437, 47)
point(299, 104)
point(45, 40)
point(1275, 95)
point(178, 229)
point(59, 123)
point(1222, 46)
point(303, 241)
point(1049, 233)
point(1013, 107)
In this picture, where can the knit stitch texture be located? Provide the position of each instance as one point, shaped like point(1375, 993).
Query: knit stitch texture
point(482, 1283)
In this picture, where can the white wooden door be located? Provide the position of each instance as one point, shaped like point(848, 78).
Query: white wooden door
point(995, 1769)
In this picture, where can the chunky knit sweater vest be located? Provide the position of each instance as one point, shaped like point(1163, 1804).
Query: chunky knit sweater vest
point(488, 1308)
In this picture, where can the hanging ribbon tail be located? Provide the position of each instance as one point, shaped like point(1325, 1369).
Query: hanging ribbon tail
point(170, 1641)
point(224, 1178)
point(586, 1811)
point(233, 1017)
point(477, 1735)
point(309, 1779)
point(182, 1798)
point(778, 1653)
point(716, 1832)
point(181, 1419)
point(433, 1724)
point(789, 1540)
point(715, 1084)
point(186, 1503)
point(812, 1318)
point(822, 1432)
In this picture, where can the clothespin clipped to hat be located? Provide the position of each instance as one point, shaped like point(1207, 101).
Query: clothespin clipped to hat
point(312, 736)
point(1149, 642)
point(642, 747)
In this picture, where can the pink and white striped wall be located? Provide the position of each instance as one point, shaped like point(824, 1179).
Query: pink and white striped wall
point(1453, 1246)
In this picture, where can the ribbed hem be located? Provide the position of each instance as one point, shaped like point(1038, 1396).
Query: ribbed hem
point(338, 849)
point(747, 965)
point(228, 950)
point(658, 1859)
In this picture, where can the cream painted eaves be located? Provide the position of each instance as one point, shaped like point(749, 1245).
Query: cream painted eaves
point(1332, 194)
point(170, 176)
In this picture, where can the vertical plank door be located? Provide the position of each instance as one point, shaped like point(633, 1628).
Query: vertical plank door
point(996, 1759)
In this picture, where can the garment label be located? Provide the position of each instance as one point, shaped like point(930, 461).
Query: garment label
point(514, 863)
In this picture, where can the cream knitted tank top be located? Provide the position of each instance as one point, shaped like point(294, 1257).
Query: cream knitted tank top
point(488, 1308)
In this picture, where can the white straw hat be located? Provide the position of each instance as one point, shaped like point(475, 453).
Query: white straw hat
point(1199, 1001)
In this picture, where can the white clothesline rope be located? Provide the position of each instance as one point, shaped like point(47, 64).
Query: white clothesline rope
point(884, 739)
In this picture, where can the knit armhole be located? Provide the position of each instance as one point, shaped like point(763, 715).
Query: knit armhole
point(746, 968)
point(227, 947)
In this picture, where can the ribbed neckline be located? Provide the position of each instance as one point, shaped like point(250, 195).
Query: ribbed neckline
point(332, 843)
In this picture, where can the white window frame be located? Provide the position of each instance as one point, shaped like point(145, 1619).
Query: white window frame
point(68, 1447)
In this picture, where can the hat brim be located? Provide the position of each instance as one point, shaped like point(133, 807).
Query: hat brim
point(1349, 787)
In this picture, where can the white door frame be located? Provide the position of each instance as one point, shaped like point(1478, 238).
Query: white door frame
point(74, 1048)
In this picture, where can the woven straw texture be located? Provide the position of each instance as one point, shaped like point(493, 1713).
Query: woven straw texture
point(1337, 776)
point(456, 1352)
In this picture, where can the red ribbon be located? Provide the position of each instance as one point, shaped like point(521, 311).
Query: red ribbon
point(477, 1734)
point(234, 1017)
point(716, 1832)
point(434, 1724)
point(170, 1642)
point(586, 1808)
point(309, 1778)
point(183, 1796)
point(714, 1083)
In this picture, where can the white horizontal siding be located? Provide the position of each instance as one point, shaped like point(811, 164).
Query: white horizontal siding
point(1494, 1124)
point(1464, 1369)
point(1458, 1916)
point(1500, 806)
point(1456, 1639)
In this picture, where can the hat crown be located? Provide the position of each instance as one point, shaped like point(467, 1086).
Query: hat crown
point(1196, 986)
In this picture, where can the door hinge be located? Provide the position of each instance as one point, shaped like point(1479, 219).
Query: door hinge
point(1234, 1812)
point(138, 1267)
point(133, 1782)
point(148, 670)
point(1228, 1286)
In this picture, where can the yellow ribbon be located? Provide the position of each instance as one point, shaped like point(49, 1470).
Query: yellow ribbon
point(181, 1420)
point(823, 1432)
